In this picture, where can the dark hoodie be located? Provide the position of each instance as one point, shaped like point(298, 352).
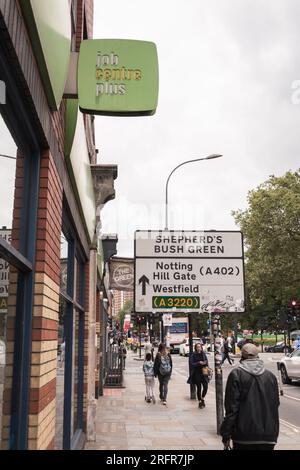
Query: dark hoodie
point(251, 404)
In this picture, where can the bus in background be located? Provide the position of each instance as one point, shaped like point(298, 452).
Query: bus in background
point(177, 333)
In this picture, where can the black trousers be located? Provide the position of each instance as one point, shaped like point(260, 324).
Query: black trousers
point(237, 446)
point(201, 383)
point(226, 356)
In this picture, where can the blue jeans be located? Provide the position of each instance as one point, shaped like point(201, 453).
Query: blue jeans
point(163, 386)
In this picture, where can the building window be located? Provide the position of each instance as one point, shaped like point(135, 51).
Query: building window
point(71, 343)
point(19, 179)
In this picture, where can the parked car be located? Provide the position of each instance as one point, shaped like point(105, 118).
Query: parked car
point(290, 367)
point(279, 347)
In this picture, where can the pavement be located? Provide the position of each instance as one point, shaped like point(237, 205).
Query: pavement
point(126, 422)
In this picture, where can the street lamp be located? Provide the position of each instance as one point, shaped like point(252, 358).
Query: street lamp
point(210, 157)
point(7, 156)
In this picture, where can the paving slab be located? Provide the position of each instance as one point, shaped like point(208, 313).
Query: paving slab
point(126, 422)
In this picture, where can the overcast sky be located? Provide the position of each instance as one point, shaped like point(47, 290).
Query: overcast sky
point(227, 70)
point(7, 176)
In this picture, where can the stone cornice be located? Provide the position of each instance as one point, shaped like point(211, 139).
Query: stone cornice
point(103, 178)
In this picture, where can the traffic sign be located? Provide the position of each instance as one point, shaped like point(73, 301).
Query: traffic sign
point(189, 271)
point(167, 319)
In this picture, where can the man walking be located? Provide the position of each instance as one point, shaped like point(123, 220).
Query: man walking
point(251, 404)
point(227, 350)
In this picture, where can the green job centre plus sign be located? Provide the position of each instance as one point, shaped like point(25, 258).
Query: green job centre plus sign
point(118, 77)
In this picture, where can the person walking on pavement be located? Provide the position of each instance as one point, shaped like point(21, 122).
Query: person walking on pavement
point(163, 370)
point(233, 341)
point(226, 351)
point(148, 368)
point(148, 347)
point(198, 361)
point(251, 405)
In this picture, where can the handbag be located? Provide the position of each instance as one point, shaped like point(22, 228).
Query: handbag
point(207, 372)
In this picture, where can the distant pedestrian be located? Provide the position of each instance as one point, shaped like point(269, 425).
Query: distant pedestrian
point(251, 404)
point(226, 350)
point(163, 370)
point(148, 368)
point(233, 341)
point(199, 364)
point(148, 347)
point(122, 352)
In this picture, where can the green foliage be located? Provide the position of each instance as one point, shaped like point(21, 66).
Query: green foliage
point(271, 228)
point(127, 308)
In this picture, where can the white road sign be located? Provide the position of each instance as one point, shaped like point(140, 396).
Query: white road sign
point(167, 319)
point(210, 281)
point(204, 244)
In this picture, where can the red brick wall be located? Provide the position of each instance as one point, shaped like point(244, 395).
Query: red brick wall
point(79, 26)
point(46, 307)
point(89, 14)
point(49, 220)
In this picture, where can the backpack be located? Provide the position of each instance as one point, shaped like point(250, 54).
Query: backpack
point(148, 369)
point(165, 366)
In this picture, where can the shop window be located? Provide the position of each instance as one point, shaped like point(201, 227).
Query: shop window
point(7, 316)
point(8, 274)
point(8, 153)
point(70, 344)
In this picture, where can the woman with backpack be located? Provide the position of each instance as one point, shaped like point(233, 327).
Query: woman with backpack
point(199, 362)
point(163, 370)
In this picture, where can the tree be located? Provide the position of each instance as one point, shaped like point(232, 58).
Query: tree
point(127, 308)
point(271, 228)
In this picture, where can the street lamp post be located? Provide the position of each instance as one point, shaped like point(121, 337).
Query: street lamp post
point(210, 157)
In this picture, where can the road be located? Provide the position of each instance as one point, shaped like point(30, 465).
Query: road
point(289, 402)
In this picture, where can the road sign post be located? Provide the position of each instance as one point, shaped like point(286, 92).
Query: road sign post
point(218, 372)
point(191, 272)
point(167, 322)
point(192, 386)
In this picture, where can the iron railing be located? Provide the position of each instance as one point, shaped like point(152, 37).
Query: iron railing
point(115, 362)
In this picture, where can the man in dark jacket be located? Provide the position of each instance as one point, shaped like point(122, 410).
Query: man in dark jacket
point(251, 404)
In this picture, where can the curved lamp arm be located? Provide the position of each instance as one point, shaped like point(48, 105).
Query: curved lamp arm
point(210, 157)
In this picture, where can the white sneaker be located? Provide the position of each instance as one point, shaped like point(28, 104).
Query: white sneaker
point(164, 402)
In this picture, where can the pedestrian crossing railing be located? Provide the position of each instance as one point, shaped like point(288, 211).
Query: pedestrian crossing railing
point(115, 364)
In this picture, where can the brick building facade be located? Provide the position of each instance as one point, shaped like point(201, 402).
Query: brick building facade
point(47, 204)
point(120, 297)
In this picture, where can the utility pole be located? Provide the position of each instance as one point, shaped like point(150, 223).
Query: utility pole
point(167, 342)
point(140, 339)
point(218, 372)
point(192, 386)
point(210, 332)
point(161, 329)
